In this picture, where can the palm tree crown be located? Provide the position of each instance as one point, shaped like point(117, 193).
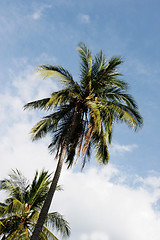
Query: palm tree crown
point(20, 211)
point(84, 112)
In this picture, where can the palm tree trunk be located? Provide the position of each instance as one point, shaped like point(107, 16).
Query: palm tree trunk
point(48, 200)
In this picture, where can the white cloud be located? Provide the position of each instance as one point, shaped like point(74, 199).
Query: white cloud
point(85, 18)
point(29, 87)
point(153, 181)
point(116, 148)
point(16, 148)
point(95, 236)
point(98, 208)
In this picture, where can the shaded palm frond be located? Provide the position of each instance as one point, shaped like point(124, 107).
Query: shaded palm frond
point(40, 104)
point(75, 141)
point(16, 185)
point(56, 220)
point(113, 64)
point(39, 189)
point(114, 93)
point(51, 122)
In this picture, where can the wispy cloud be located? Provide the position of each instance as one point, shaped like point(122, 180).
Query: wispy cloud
point(85, 18)
point(117, 148)
point(45, 59)
point(33, 87)
point(39, 12)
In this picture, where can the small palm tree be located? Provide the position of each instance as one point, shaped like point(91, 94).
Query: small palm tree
point(83, 114)
point(20, 211)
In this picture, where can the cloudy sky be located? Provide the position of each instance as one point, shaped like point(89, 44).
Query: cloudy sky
point(122, 200)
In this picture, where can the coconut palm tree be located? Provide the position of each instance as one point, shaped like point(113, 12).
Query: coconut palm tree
point(20, 211)
point(83, 113)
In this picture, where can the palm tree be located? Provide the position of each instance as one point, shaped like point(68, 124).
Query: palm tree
point(83, 114)
point(20, 211)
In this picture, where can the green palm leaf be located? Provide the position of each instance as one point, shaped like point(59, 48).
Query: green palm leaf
point(46, 71)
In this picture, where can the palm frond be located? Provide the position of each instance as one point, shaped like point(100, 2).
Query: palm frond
point(47, 71)
point(41, 129)
point(95, 114)
point(39, 189)
point(98, 65)
point(46, 234)
point(16, 185)
point(113, 64)
point(126, 114)
point(56, 220)
point(40, 104)
point(14, 206)
point(18, 218)
point(102, 153)
point(86, 66)
point(50, 122)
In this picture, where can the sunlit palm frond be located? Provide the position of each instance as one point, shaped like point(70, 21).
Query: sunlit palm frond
point(95, 115)
point(126, 114)
point(58, 98)
point(101, 147)
point(13, 205)
point(47, 71)
point(46, 234)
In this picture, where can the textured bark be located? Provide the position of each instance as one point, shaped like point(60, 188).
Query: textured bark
point(48, 200)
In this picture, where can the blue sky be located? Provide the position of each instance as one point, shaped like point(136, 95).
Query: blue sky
point(47, 32)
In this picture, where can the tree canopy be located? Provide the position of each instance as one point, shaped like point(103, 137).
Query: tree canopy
point(20, 211)
point(85, 111)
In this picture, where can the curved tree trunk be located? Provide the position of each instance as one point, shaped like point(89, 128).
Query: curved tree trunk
point(48, 200)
